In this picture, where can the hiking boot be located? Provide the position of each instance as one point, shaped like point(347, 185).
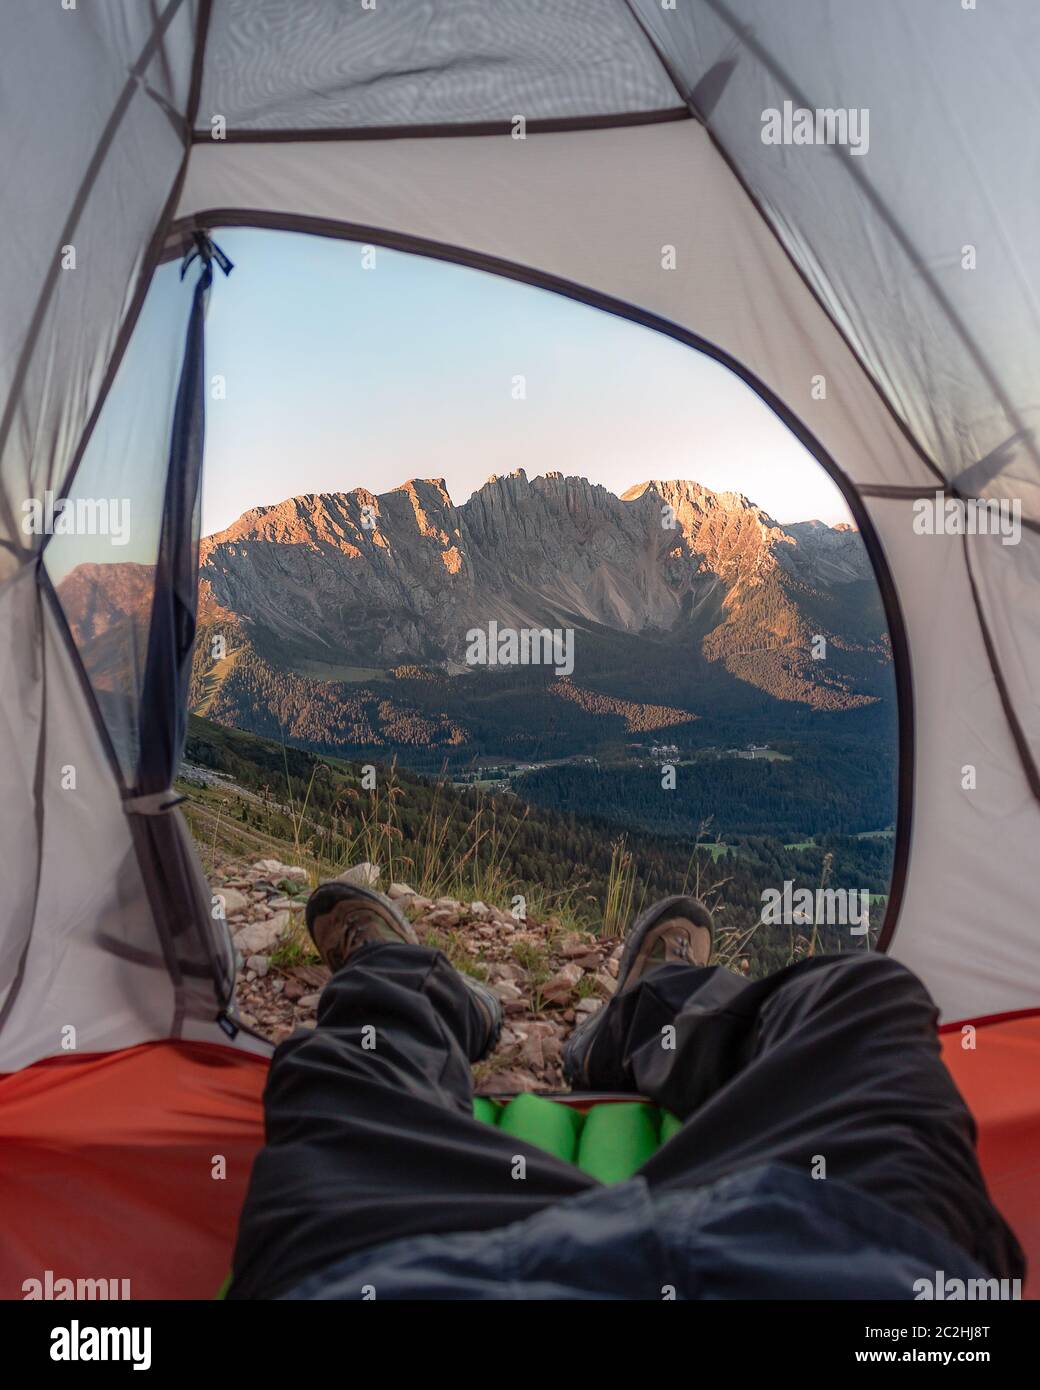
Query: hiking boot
point(342, 917)
point(674, 931)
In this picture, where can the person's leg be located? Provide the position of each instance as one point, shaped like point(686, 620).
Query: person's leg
point(370, 1132)
point(834, 1058)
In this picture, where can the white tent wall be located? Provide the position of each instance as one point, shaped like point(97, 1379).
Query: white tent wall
point(1008, 580)
point(94, 122)
point(967, 923)
point(932, 374)
point(21, 723)
point(94, 977)
point(90, 150)
point(946, 98)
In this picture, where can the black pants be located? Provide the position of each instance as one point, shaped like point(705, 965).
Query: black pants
point(370, 1134)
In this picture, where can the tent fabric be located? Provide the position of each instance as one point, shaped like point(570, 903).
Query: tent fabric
point(87, 951)
point(618, 198)
point(83, 967)
point(316, 66)
point(967, 924)
point(791, 261)
point(903, 274)
point(129, 1164)
point(112, 938)
point(134, 425)
point(111, 139)
point(881, 235)
point(111, 1159)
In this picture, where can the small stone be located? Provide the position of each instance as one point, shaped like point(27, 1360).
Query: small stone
point(364, 875)
point(506, 1082)
point(506, 991)
point(562, 983)
point(280, 1033)
point(479, 910)
point(445, 917)
point(573, 944)
point(500, 970)
point(540, 1029)
point(415, 907)
point(592, 961)
point(588, 1006)
point(259, 938)
point(611, 967)
point(258, 965)
point(234, 901)
point(401, 890)
point(308, 1001)
point(317, 976)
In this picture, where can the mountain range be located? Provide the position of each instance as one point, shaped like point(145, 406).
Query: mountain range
point(342, 619)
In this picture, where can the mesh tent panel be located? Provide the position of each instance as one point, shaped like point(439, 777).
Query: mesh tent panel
point(97, 96)
point(319, 64)
point(950, 162)
point(104, 581)
point(115, 77)
point(83, 952)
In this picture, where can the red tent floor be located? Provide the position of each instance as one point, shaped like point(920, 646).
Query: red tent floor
point(133, 1164)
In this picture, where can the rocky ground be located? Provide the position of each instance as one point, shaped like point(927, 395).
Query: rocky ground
point(546, 976)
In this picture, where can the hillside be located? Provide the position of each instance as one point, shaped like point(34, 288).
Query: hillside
point(250, 798)
point(344, 622)
point(347, 618)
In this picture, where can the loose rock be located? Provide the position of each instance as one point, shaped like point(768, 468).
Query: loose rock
point(364, 875)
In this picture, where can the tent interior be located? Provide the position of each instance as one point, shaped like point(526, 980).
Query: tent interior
point(611, 151)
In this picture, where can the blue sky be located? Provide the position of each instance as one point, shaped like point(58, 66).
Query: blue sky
point(338, 377)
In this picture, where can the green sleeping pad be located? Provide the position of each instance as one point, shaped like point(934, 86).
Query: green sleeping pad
point(610, 1140)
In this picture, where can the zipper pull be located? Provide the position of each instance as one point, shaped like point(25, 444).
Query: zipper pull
point(207, 251)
